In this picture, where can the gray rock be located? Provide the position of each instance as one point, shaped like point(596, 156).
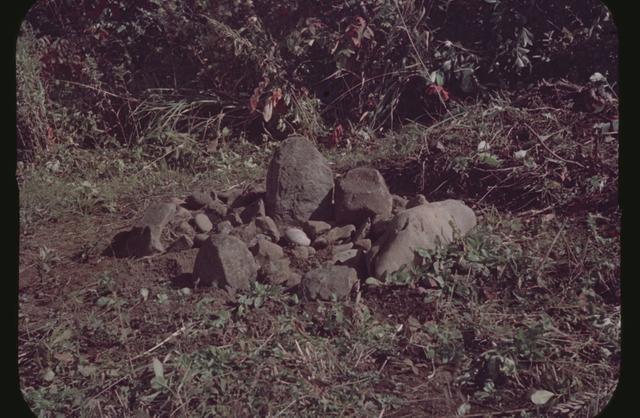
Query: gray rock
point(363, 244)
point(297, 236)
point(225, 260)
point(229, 196)
point(234, 217)
point(399, 203)
point(216, 210)
point(323, 282)
point(300, 252)
point(199, 239)
point(315, 228)
point(198, 200)
point(299, 183)
point(247, 233)
point(335, 235)
point(423, 226)
point(224, 227)
point(345, 257)
point(360, 194)
point(416, 200)
point(202, 223)
point(264, 251)
point(340, 248)
point(252, 211)
point(249, 195)
point(181, 215)
point(186, 229)
point(275, 271)
point(184, 242)
point(267, 226)
point(294, 279)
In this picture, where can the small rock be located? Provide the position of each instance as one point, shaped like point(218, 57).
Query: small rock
point(198, 200)
point(294, 279)
point(300, 252)
point(185, 291)
point(229, 196)
point(183, 243)
point(145, 237)
point(297, 236)
point(181, 215)
point(264, 251)
point(252, 211)
point(361, 193)
point(225, 260)
point(199, 239)
point(216, 210)
point(224, 227)
point(399, 203)
point(186, 229)
point(416, 200)
point(338, 234)
point(246, 233)
point(363, 244)
point(340, 248)
point(345, 257)
point(275, 271)
point(267, 226)
point(316, 228)
point(233, 217)
point(202, 223)
point(323, 282)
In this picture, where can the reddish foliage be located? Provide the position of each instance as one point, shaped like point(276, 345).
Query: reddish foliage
point(435, 90)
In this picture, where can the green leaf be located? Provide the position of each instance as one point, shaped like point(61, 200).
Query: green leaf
point(372, 281)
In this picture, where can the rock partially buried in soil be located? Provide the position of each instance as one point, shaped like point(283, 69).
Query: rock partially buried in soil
point(299, 183)
point(297, 236)
point(300, 252)
point(275, 271)
point(360, 194)
point(335, 235)
point(198, 200)
point(423, 226)
point(225, 260)
point(224, 227)
point(264, 251)
point(323, 282)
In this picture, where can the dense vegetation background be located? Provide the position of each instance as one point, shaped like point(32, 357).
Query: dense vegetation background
point(178, 75)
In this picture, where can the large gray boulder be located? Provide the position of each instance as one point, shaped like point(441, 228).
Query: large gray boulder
point(225, 260)
point(423, 226)
point(299, 183)
point(362, 193)
point(325, 281)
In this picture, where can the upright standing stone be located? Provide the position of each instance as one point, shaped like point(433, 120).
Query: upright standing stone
point(299, 183)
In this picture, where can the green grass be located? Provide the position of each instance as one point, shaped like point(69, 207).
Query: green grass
point(530, 300)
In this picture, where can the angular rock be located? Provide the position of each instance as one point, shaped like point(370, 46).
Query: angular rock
point(299, 183)
point(323, 282)
point(184, 242)
point(186, 229)
point(224, 227)
point(416, 200)
point(267, 226)
point(202, 223)
point(297, 236)
point(198, 200)
point(399, 203)
point(225, 260)
point(247, 233)
point(275, 271)
point(264, 251)
point(315, 228)
point(423, 226)
point(300, 252)
point(233, 217)
point(360, 194)
point(294, 279)
point(343, 247)
point(181, 215)
point(229, 196)
point(345, 257)
point(363, 244)
point(252, 211)
point(335, 235)
point(216, 210)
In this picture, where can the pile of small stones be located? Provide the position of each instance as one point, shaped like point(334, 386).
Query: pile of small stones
point(304, 228)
